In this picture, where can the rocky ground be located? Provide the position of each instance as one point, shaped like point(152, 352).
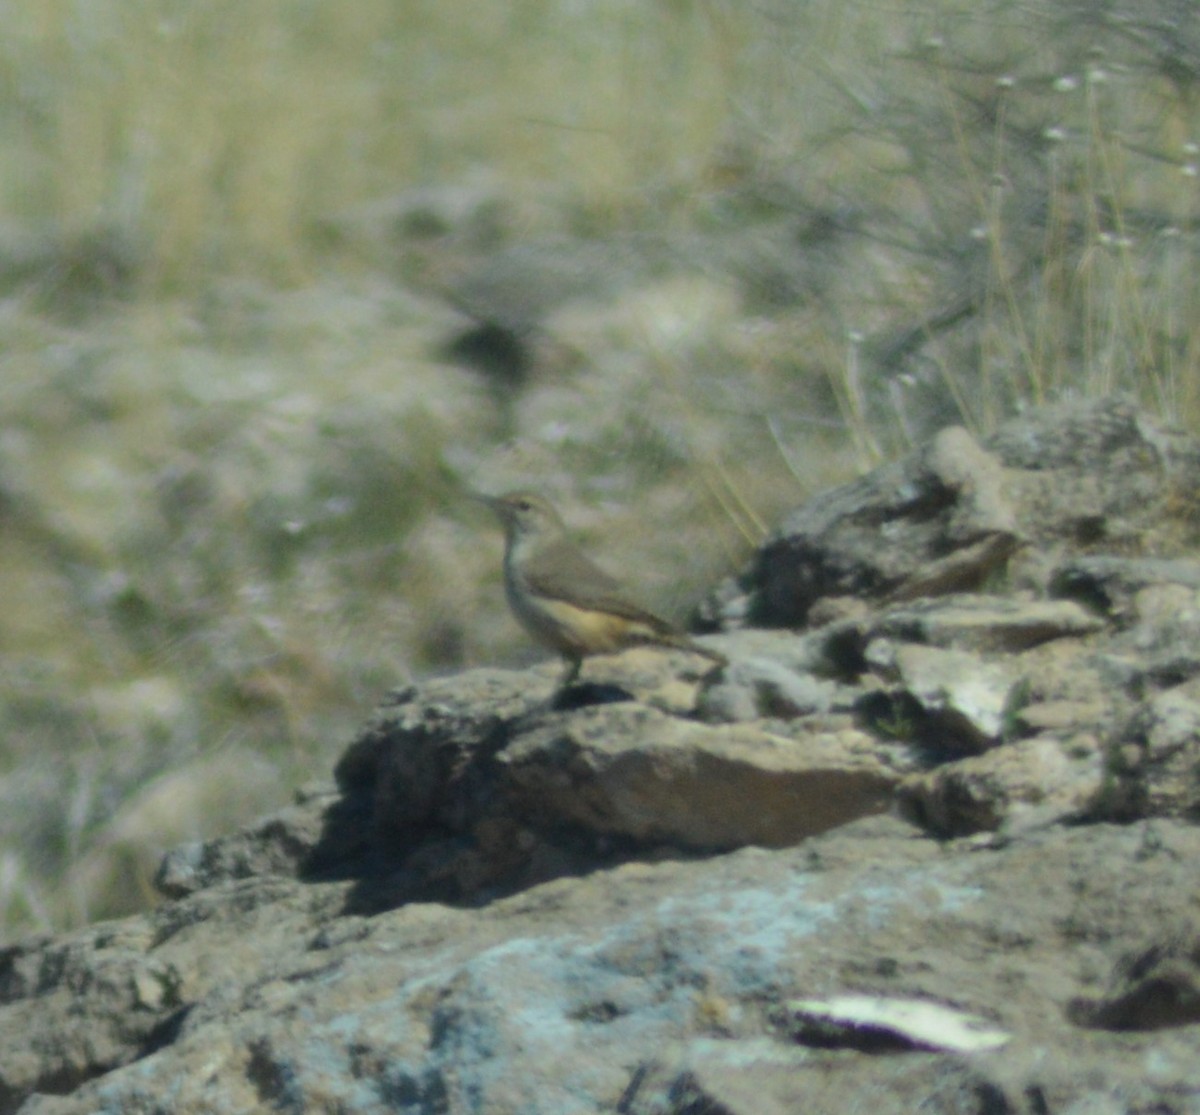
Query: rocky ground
point(928, 843)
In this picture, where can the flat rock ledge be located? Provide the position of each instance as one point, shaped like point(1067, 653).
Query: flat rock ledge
point(940, 806)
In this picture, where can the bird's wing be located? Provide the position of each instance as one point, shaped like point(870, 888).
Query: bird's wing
point(566, 573)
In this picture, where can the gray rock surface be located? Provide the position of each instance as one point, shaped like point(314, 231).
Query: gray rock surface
point(972, 790)
point(648, 987)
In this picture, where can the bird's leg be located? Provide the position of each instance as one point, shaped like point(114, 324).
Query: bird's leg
point(574, 664)
point(559, 696)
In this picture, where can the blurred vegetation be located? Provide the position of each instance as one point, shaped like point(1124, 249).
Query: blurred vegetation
point(716, 255)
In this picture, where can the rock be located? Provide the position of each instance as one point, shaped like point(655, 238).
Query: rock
point(282, 844)
point(775, 674)
point(1057, 716)
point(1043, 779)
point(72, 1009)
point(1155, 988)
point(1154, 761)
point(979, 802)
point(963, 699)
point(757, 1078)
point(1111, 584)
point(423, 748)
point(936, 521)
point(988, 624)
point(638, 773)
point(757, 689)
point(1081, 477)
point(643, 988)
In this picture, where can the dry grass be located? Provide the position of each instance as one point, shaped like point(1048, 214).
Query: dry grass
point(215, 135)
point(1041, 202)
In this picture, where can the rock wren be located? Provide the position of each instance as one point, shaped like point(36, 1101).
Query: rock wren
point(566, 601)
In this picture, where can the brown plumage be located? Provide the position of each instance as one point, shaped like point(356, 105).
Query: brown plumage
point(563, 598)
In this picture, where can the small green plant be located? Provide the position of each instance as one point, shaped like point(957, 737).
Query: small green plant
point(895, 718)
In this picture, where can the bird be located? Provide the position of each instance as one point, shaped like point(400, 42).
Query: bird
point(564, 599)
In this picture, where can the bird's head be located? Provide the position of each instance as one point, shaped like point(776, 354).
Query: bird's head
point(525, 514)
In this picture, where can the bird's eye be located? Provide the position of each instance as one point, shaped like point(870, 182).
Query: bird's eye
point(524, 505)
